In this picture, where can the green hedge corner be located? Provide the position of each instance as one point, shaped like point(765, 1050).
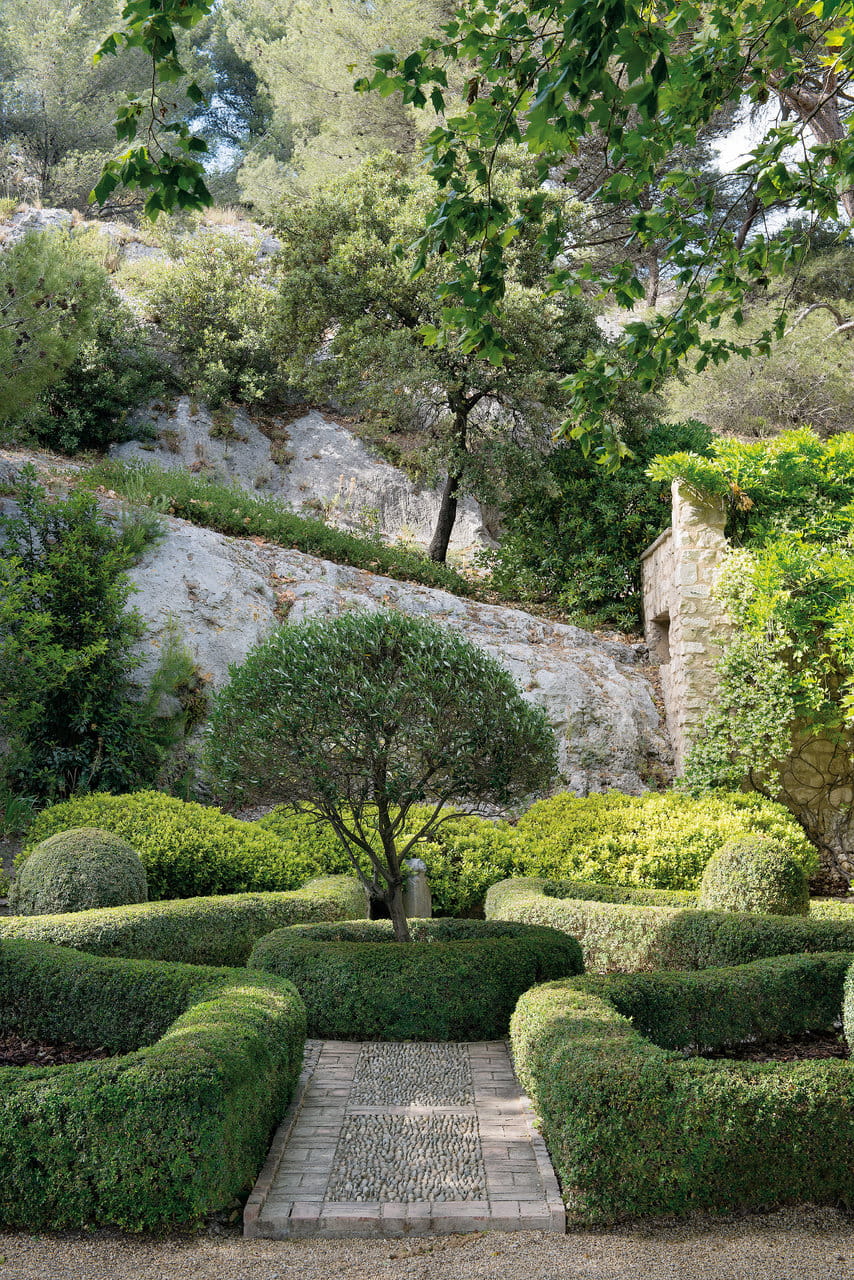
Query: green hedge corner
point(637, 1128)
point(172, 1127)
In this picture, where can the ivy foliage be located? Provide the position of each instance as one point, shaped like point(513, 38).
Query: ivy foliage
point(643, 80)
point(572, 531)
point(788, 589)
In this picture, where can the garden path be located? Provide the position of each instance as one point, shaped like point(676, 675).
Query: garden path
point(405, 1139)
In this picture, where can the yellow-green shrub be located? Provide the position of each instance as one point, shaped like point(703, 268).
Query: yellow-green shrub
point(187, 849)
point(659, 840)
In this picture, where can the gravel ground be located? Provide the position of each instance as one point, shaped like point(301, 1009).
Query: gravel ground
point(808, 1244)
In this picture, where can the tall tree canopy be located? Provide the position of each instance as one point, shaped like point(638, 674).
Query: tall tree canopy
point(345, 283)
point(643, 80)
point(319, 128)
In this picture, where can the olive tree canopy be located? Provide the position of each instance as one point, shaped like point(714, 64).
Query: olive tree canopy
point(359, 718)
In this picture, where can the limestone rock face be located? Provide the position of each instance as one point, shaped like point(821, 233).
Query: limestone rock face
point(18, 224)
point(222, 595)
point(313, 465)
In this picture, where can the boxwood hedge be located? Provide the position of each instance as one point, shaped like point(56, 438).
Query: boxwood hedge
point(187, 849)
point(627, 930)
point(457, 979)
point(172, 1127)
point(658, 840)
point(635, 1127)
point(193, 930)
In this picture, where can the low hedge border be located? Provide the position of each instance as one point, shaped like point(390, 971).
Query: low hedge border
point(631, 930)
point(172, 1129)
point(457, 979)
point(193, 930)
point(637, 1129)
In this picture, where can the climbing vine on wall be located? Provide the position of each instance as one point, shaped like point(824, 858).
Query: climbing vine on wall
point(788, 587)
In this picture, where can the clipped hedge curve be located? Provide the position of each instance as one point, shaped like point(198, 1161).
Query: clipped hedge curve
point(456, 980)
point(635, 1128)
point(634, 930)
point(193, 930)
point(173, 1127)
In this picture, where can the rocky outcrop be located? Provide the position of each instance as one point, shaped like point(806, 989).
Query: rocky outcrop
point(222, 595)
point(312, 464)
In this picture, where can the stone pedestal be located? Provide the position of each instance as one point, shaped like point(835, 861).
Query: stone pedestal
point(416, 895)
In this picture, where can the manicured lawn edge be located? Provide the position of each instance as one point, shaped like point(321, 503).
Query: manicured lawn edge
point(635, 1129)
point(174, 1127)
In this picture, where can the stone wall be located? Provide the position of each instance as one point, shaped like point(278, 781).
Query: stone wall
point(685, 628)
point(683, 625)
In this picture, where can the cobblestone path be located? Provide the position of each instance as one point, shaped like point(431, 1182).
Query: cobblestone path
point(397, 1139)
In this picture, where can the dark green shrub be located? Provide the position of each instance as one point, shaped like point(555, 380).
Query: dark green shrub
point(187, 849)
point(220, 930)
point(71, 718)
point(357, 719)
point(76, 870)
point(457, 979)
point(216, 311)
point(757, 874)
point(647, 931)
point(572, 531)
point(636, 1128)
point(175, 1126)
point(113, 372)
point(51, 289)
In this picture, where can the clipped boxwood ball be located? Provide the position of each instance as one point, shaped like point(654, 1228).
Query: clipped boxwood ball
point(78, 869)
point(755, 874)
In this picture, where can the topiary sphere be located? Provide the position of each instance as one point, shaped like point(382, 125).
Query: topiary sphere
point(78, 869)
point(756, 874)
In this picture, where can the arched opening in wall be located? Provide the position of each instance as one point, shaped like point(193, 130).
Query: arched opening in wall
point(659, 648)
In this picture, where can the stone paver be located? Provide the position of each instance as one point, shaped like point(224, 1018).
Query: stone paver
point(509, 1184)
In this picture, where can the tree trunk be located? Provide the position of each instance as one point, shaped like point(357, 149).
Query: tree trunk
point(460, 407)
point(817, 105)
point(394, 899)
point(438, 549)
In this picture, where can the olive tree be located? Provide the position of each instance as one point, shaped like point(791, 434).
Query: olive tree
point(358, 719)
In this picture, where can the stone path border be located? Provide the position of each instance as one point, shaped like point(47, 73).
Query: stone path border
point(292, 1196)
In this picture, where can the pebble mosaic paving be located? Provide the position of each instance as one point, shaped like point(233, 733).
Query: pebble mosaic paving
point(386, 1139)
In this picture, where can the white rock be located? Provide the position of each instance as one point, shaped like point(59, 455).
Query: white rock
point(221, 594)
point(330, 471)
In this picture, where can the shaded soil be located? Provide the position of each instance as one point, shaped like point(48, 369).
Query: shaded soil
point(809, 1045)
point(15, 1052)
